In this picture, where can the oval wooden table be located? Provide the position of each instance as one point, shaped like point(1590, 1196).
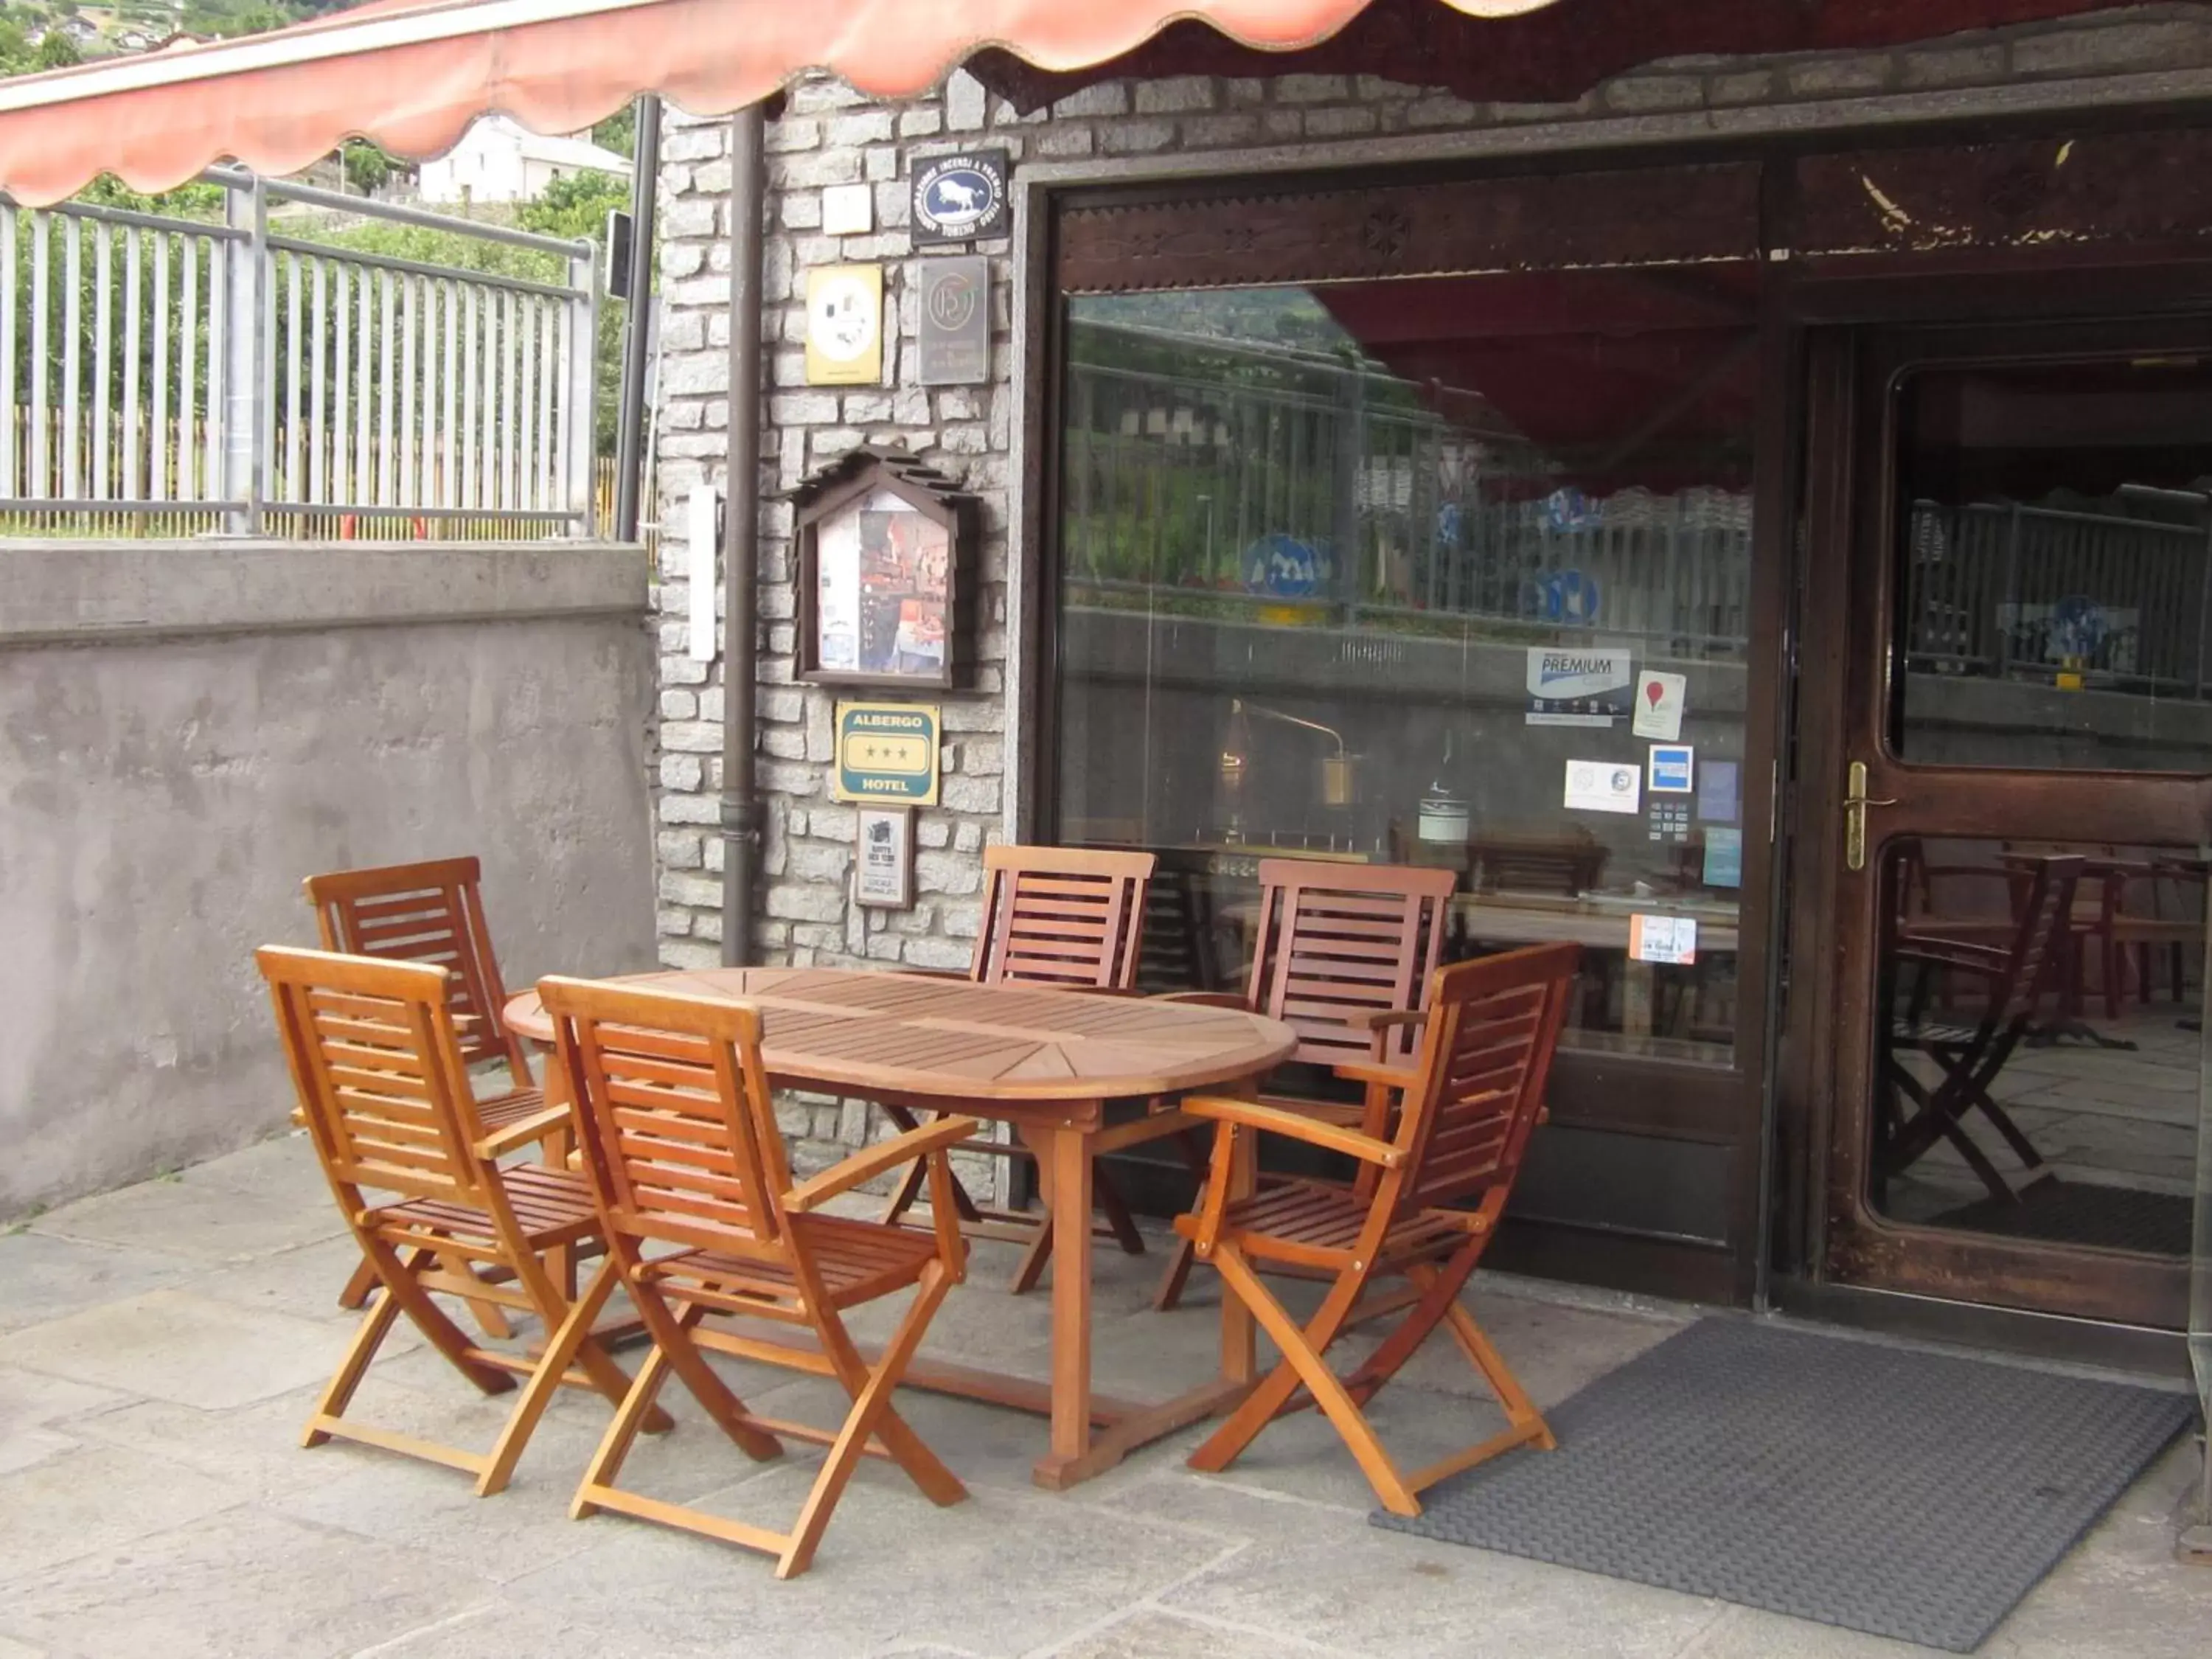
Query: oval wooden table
point(1047, 1062)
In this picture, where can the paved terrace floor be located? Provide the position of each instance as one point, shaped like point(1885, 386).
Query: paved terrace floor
point(160, 1347)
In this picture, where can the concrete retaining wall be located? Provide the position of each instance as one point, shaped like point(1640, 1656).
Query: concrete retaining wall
point(188, 729)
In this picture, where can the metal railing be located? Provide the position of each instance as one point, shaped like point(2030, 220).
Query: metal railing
point(168, 375)
point(1996, 589)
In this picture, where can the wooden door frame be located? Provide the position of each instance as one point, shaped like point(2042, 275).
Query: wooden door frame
point(1826, 1232)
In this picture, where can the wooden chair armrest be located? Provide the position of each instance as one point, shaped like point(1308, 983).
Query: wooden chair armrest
point(959, 974)
point(1381, 1020)
point(1346, 1113)
point(1391, 1076)
point(872, 1161)
point(525, 1131)
point(1204, 998)
point(1252, 1115)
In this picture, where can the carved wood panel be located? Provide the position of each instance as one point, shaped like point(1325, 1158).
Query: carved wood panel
point(2050, 194)
point(1576, 221)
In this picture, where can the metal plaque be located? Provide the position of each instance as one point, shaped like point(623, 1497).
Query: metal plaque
point(959, 198)
point(887, 752)
point(956, 321)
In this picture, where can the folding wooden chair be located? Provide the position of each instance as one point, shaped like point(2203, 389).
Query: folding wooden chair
point(2017, 977)
point(1336, 945)
point(1463, 1122)
point(681, 1144)
point(1067, 918)
point(380, 1075)
point(433, 912)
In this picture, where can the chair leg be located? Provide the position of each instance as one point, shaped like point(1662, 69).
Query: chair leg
point(1038, 1251)
point(871, 1412)
point(1304, 1361)
point(1439, 1290)
point(1193, 1147)
point(354, 1296)
point(570, 1324)
point(1110, 1204)
point(339, 1394)
point(400, 1282)
point(907, 1193)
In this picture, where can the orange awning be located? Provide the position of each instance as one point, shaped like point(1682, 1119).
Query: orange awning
point(413, 75)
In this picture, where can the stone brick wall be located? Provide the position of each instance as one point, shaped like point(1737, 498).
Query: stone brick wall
point(830, 135)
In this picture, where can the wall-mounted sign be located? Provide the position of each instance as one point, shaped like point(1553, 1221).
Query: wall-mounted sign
point(845, 325)
point(885, 545)
point(883, 862)
point(848, 209)
point(1672, 939)
point(955, 345)
point(1578, 688)
point(1594, 786)
point(960, 198)
point(1659, 699)
point(887, 752)
point(1672, 769)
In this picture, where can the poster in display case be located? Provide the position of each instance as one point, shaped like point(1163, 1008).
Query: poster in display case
point(885, 548)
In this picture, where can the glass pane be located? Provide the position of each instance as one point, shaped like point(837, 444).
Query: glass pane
point(1377, 572)
point(2038, 1076)
point(2056, 608)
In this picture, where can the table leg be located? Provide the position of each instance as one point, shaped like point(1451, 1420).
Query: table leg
point(1069, 1153)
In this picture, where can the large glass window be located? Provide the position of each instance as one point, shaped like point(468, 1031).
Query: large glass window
point(1451, 570)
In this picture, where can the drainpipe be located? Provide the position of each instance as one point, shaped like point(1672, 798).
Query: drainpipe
point(741, 837)
point(629, 442)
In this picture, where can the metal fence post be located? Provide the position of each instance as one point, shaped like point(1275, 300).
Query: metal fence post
point(582, 393)
point(246, 367)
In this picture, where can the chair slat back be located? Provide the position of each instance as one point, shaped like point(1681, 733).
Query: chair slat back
point(679, 1128)
point(430, 912)
point(2045, 913)
point(379, 1070)
point(1493, 1026)
point(1336, 941)
point(1069, 917)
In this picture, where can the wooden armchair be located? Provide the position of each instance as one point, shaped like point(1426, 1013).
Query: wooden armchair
point(433, 912)
point(1336, 945)
point(385, 1089)
point(1463, 1116)
point(1066, 919)
point(702, 1221)
point(1969, 1057)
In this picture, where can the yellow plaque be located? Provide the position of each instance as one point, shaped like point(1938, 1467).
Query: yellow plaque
point(845, 325)
point(887, 752)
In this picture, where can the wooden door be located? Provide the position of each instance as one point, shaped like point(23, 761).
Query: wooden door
point(2006, 666)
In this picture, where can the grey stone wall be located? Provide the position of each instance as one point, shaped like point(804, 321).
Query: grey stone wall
point(830, 135)
point(186, 730)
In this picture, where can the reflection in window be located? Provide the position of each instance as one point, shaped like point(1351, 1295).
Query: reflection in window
point(1377, 571)
point(2058, 590)
point(2038, 1070)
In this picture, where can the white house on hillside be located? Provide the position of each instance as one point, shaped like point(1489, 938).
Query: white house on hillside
point(500, 160)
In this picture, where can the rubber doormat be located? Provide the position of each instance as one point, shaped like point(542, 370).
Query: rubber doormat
point(1907, 1494)
point(2076, 1213)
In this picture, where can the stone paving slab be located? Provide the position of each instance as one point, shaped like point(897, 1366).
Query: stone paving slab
point(42, 1277)
point(1304, 1568)
point(95, 1498)
point(178, 1346)
point(242, 1583)
point(203, 1220)
point(1003, 1572)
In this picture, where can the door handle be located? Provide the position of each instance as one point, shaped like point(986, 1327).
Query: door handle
point(1855, 811)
